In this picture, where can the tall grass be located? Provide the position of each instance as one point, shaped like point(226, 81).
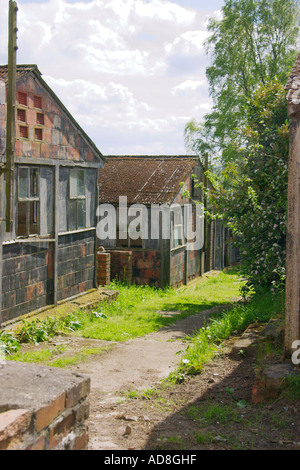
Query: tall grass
point(140, 310)
point(203, 345)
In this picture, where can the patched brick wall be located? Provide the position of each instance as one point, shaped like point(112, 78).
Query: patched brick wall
point(146, 267)
point(27, 282)
point(121, 265)
point(60, 138)
point(103, 268)
point(76, 264)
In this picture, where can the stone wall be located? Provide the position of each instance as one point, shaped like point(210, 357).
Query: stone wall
point(42, 408)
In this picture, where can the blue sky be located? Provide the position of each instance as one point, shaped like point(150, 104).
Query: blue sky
point(132, 72)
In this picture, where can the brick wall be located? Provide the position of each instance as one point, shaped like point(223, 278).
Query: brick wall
point(194, 267)
point(43, 408)
point(121, 265)
point(178, 276)
point(177, 270)
point(146, 267)
point(134, 266)
point(28, 273)
point(60, 139)
point(27, 282)
point(103, 268)
point(76, 264)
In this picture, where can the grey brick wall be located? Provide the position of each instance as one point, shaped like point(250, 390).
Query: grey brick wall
point(76, 264)
point(27, 282)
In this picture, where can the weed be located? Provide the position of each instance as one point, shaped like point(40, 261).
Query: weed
point(203, 438)
point(9, 344)
point(204, 345)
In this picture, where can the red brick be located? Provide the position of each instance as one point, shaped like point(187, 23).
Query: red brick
point(13, 423)
point(61, 428)
point(44, 416)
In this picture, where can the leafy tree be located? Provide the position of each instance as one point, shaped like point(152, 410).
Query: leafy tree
point(253, 42)
point(251, 194)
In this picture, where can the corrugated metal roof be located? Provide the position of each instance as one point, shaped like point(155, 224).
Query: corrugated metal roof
point(143, 179)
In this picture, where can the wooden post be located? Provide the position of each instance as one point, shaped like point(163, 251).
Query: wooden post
point(292, 306)
point(10, 120)
point(292, 285)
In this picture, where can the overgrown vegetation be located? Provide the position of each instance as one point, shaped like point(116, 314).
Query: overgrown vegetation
point(207, 342)
point(138, 310)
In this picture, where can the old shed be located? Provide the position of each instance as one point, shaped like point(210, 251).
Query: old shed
point(162, 252)
point(50, 253)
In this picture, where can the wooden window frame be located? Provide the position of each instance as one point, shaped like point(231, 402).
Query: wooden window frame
point(177, 222)
point(38, 130)
point(76, 200)
point(27, 132)
point(30, 202)
point(40, 119)
point(21, 111)
point(37, 99)
point(24, 94)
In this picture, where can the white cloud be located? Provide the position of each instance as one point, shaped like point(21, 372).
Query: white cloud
point(188, 86)
point(189, 42)
point(130, 71)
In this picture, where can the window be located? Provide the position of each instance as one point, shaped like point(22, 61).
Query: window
point(77, 199)
point(24, 132)
point(177, 227)
point(28, 201)
point(38, 133)
point(37, 102)
point(22, 98)
point(21, 115)
point(40, 118)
